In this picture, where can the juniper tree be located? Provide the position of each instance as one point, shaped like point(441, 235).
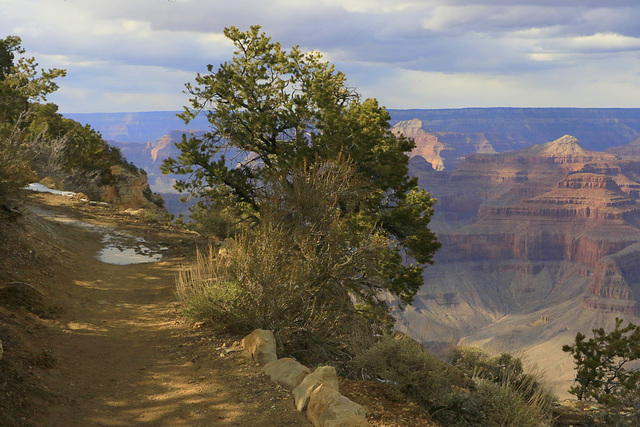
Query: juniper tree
point(272, 111)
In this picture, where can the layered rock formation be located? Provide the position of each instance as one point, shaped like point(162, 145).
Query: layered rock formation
point(443, 150)
point(445, 137)
point(538, 244)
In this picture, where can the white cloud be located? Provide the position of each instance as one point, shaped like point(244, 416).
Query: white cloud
point(604, 42)
point(573, 87)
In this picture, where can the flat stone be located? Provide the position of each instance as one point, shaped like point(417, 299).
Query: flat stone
point(286, 371)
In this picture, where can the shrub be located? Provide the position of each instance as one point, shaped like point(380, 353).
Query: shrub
point(502, 369)
point(602, 365)
point(302, 271)
point(15, 169)
point(408, 369)
point(476, 390)
point(500, 404)
point(219, 219)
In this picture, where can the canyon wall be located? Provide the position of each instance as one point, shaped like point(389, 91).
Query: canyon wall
point(537, 245)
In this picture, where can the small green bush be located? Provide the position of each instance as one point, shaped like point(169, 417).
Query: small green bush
point(219, 219)
point(500, 404)
point(602, 365)
point(408, 369)
point(477, 389)
point(502, 369)
point(215, 302)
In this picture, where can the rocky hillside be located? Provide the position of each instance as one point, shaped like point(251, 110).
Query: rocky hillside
point(538, 244)
point(130, 190)
point(445, 137)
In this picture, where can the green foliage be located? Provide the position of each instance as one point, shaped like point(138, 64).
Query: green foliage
point(75, 154)
point(272, 112)
point(19, 84)
point(409, 369)
point(475, 390)
point(37, 141)
point(215, 218)
point(299, 271)
point(14, 168)
point(504, 369)
point(602, 362)
point(8, 48)
point(498, 404)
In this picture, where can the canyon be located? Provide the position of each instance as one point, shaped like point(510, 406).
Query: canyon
point(540, 232)
point(537, 245)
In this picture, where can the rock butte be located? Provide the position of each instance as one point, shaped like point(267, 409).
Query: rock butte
point(538, 244)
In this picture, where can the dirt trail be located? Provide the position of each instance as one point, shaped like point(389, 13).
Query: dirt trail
point(124, 357)
point(107, 345)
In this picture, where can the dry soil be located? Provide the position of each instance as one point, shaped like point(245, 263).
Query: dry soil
point(88, 343)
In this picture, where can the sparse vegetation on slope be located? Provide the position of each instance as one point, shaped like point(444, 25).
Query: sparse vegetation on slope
point(475, 389)
point(36, 141)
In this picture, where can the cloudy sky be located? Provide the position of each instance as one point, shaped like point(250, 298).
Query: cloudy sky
point(136, 55)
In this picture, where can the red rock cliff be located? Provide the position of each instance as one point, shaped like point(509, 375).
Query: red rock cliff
point(551, 204)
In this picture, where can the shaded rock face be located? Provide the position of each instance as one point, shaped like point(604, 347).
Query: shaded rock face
point(131, 191)
point(537, 245)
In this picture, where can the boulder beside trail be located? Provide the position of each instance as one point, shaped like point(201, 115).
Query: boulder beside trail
point(316, 392)
point(322, 375)
point(328, 408)
point(261, 344)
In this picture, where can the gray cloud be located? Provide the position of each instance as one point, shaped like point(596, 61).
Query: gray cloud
point(120, 46)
